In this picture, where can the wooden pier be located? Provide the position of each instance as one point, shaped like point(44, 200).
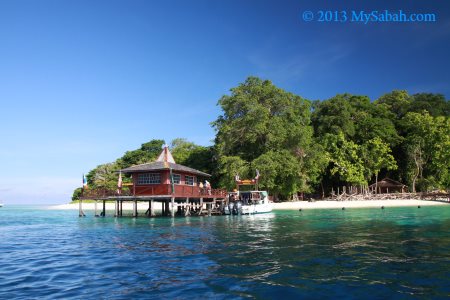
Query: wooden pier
point(169, 207)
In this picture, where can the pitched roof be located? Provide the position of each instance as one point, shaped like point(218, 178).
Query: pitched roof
point(388, 182)
point(165, 161)
point(159, 165)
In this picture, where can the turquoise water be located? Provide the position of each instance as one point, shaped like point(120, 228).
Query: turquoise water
point(396, 253)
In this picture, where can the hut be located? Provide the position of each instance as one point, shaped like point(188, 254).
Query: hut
point(388, 185)
point(164, 177)
point(175, 186)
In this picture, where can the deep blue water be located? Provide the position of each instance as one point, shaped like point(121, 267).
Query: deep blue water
point(396, 253)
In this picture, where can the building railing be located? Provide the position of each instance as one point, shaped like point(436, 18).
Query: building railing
point(154, 190)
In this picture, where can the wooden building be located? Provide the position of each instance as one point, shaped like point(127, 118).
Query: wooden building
point(178, 188)
point(388, 185)
point(164, 177)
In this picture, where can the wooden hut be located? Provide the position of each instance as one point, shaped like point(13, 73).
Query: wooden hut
point(176, 186)
point(388, 185)
point(164, 177)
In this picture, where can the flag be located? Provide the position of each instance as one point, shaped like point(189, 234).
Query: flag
point(119, 183)
point(85, 185)
point(257, 174)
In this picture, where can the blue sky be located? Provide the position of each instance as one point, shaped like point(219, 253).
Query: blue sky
point(81, 82)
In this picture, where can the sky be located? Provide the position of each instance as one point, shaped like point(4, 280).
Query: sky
point(82, 82)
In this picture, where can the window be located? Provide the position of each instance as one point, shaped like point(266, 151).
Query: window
point(176, 178)
point(189, 180)
point(149, 178)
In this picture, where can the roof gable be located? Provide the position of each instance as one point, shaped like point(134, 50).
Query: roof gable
point(165, 161)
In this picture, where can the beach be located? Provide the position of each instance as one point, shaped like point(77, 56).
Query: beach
point(289, 205)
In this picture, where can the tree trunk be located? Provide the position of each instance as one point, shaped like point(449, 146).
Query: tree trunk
point(376, 182)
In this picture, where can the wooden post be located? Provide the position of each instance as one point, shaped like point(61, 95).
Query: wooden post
point(187, 211)
point(95, 208)
point(167, 208)
point(135, 213)
point(172, 212)
point(201, 207)
point(104, 208)
point(121, 208)
point(162, 208)
point(80, 209)
point(152, 209)
point(116, 208)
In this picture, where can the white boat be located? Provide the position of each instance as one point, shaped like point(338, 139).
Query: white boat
point(248, 202)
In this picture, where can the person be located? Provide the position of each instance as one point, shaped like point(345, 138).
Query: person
point(200, 185)
point(208, 187)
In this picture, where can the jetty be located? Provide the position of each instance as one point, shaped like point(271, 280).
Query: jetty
point(176, 189)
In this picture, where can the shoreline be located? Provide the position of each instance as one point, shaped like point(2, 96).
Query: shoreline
point(292, 205)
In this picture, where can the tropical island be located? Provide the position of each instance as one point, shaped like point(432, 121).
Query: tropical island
point(308, 150)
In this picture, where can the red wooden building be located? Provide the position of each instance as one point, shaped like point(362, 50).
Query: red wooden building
point(164, 177)
point(163, 181)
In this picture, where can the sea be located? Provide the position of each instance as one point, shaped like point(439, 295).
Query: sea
point(391, 253)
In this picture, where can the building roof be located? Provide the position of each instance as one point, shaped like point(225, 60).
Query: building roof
point(165, 161)
point(387, 182)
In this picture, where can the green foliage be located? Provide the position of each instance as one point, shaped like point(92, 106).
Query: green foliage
point(147, 153)
point(258, 121)
point(77, 194)
point(356, 117)
point(345, 159)
point(434, 104)
point(282, 173)
point(377, 155)
point(229, 167)
point(427, 145)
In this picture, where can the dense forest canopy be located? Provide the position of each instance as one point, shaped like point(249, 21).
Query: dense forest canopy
point(301, 146)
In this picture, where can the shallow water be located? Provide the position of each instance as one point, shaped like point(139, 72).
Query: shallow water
point(396, 253)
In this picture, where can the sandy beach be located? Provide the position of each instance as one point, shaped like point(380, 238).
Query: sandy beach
point(294, 205)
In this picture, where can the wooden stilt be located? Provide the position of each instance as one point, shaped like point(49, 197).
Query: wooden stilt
point(152, 209)
point(163, 208)
point(201, 207)
point(95, 208)
point(135, 213)
point(116, 208)
point(104, 208)
point(121, 208)
point(172, 212)
point(187, 210)
point(80, 209)
point(167, 208)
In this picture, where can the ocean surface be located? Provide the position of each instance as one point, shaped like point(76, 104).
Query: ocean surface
point(395, 253)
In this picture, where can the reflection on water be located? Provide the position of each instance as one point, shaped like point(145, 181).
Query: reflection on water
point(356, 253)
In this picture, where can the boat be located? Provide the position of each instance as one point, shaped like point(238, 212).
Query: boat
point(247, 201)
point(1, 204)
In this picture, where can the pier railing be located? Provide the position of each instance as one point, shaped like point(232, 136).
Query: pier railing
point(155, 190)
point(100, 193)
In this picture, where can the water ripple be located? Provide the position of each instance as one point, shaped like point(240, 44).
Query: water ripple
point(401, 253)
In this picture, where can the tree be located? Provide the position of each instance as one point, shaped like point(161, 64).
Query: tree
point(377, 155)
point(397, 101)
point(356, 117)
point(345, 159)
point(261, 120)
point(427, 145)
point(148, 152)
point(434, 104)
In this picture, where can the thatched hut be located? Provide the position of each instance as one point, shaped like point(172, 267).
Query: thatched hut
point(388, 185)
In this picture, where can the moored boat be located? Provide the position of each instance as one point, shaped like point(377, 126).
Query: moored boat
point(247, 201)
